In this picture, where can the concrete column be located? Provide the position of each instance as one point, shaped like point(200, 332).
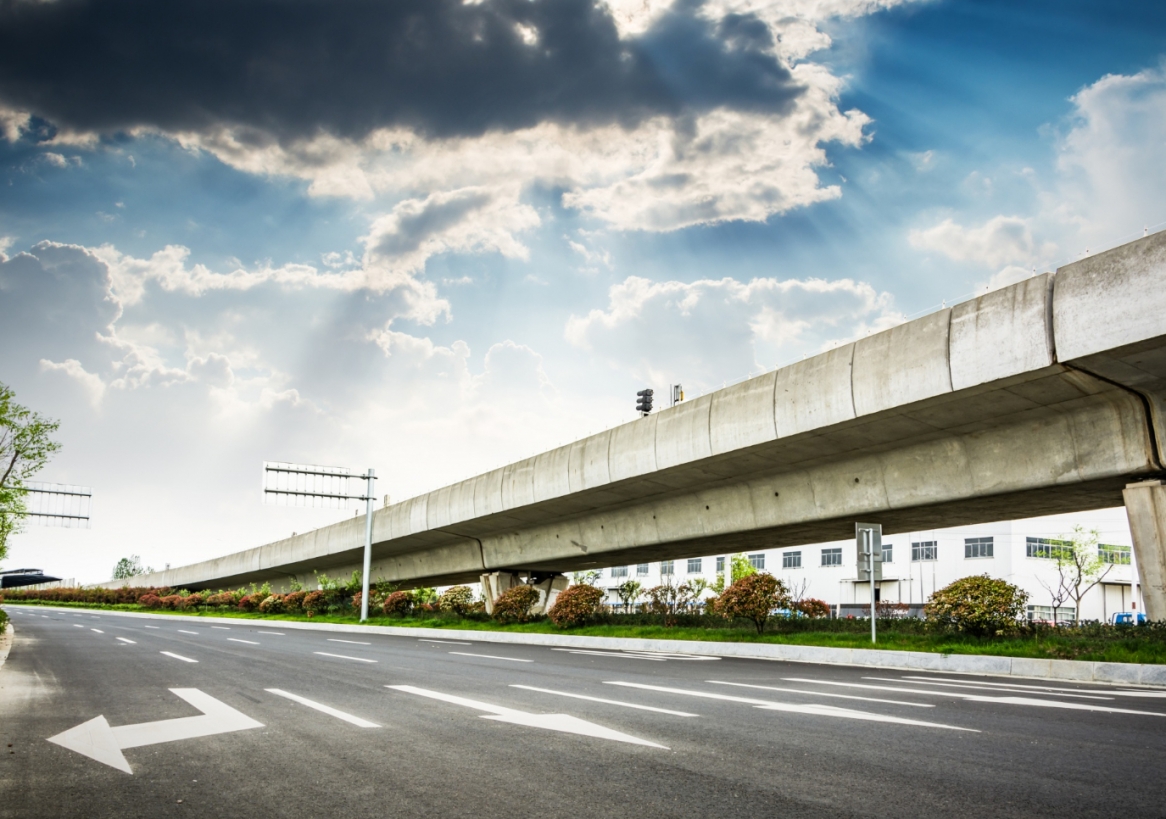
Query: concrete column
point(494, 583)
point(1146, 508)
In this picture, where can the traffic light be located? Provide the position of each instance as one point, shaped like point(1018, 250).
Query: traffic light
point(644, 402)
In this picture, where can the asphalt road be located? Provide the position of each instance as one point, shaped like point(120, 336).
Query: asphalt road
point(317, 724)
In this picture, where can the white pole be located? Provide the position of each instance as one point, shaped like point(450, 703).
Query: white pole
point(870, 562)
point(371, 476)
point(728, 571)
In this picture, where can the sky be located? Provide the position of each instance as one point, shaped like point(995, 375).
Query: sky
point(433, 237)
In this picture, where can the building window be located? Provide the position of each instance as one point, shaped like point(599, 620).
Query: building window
point(694, 565)
point(831, 557)
point(927, 550)
point(1043, 547)
point(1044, 614)
point(1113, 554)
point(641, 569)
point(665, 567)
point(791, 560)
point(720, 565)
point(757, 561)
point(888, 553)
point(619, 571)
point(977, 547)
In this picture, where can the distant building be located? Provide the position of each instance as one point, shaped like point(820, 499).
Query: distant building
point(918, 563)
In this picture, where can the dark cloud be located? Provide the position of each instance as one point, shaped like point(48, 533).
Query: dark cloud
point(291, 68)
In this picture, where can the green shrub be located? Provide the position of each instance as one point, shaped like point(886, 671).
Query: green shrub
point(457, 599)
point(250, 602)
point(812, 607)
point(978, 605)
point(314, 602)
point(399, 603)
point(272, 604)
point(575, 606)
point(753, 597)
point(171, 601)
point(150, 601)
point(515, 603)
point(294, 601)
point(190, 601)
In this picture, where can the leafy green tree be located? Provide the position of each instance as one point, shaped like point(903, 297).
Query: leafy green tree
point(629, 592)
point(129, 567)
point(979, 605)
point(1079, 568)
point(753, 597)
point(25, 447)
point(589, 578)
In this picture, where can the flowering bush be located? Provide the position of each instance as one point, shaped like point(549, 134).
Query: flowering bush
point(221, 599)
point(272, 604)
point(812, 607)
point(753, 597)
point(314, 602)
point(250, 602)
point(191, 601)
point(150, 601)
point(294, 601)
point(171, 601)
point(399, 602)
point(978, 605)
point(575, 606)
point(456, 599)
point(515, 603)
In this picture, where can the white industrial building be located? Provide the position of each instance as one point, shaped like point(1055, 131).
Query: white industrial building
point(918, 563)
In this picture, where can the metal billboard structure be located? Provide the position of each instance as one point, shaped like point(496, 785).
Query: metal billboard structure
point(323, 487)
point(58, 504)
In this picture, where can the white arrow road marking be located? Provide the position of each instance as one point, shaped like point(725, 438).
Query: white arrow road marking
point(96, 740)
point(823, 694)
point(357, 721)
point(1037, 689)
point(813, 709)
point(1072, 706)
point(124, 640)
point(343, 657)
point(551, 722)
point(1021, 690)
point(606, 702)
point(178, 656)
point(492, 657)
point(621, 655)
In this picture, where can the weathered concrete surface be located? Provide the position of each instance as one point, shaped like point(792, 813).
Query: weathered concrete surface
point(1146, 507)
point(1040, 398)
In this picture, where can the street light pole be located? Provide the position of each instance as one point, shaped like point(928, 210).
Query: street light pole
point(369, 478)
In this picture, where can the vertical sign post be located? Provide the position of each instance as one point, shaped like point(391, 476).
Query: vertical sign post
point(869, 538)
point(301, 485)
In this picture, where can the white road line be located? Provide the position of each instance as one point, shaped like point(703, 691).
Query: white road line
point(354, 642)
point(78, 625)
point(607, 702)
point(1051, 693)
point(150, 627)
point(178, 656)
point(237, 640)
point(276, 633)
point(343, 657)
point(812, 709)
point(220, 628)
point(184, 631)
point(357, 721)
point(618, 654)
point(99, 631)
point(670, 656)
point(445, 642)
point(1036, 689)
point(124, 640)
point(823, 694)
point(492, 657)
point(1072, 706)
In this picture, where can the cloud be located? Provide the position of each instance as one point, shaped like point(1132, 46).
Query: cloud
point(1002, 240)
point(710, 331)
point(90, 383)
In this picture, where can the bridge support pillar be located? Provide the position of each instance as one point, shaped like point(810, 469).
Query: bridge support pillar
point(548, 587)
point(1146, 509)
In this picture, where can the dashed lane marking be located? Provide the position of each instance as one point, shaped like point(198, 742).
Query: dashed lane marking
point(491, 657)
point(274, 633)
point(99, 631)
point(222, 628)
point(1036, 689)
point(605, 701)
point(823, 694)
point(124, 640)
point(444, 642)
point(357, 721)
point(184, 631)
point(1022, 690)
point(354, 642)
point(237, 640)
point(344, 657)
point(150, 627)
point(178, 656)
point(78, 625)
point(617, 654)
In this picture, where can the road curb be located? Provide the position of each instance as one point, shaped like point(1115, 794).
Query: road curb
point(978, 664)
point(5, 642)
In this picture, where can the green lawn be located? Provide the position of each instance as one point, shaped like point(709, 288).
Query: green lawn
point(1098, 643)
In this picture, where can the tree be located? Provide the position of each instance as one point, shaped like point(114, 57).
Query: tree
point(1079, 569)
point(628, 593)
point(979, 605)
point(753, 597)
point(25, 447)
point(589, 578)
point(129, 567)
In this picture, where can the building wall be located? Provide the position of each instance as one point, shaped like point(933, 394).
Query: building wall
point(913, 581)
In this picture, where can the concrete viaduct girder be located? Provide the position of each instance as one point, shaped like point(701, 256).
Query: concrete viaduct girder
point(1039, 398)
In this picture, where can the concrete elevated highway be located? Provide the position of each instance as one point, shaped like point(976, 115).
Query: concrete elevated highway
point(1044, 397)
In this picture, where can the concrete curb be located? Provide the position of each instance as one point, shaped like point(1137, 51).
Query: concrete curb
point(5, 643)
point(983, 665)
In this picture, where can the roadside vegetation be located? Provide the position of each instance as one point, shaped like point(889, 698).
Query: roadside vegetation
point(975, 615)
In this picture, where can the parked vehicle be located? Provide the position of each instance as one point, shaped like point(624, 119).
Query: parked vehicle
point(1126, 618)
